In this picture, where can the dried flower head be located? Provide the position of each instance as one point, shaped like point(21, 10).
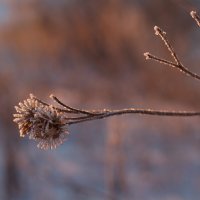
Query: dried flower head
point(43, 123)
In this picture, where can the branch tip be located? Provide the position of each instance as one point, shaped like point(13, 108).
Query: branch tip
point(147, 55)
point(193, 13)
point(196, 17)
point(159, 31)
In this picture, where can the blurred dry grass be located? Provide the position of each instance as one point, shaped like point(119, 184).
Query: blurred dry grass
point(90, 53)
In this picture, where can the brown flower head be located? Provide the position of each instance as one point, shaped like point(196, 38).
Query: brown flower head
point(43, 123)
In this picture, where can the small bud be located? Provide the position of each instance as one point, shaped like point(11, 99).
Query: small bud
point(146, 55)
point(159, 31)
point(193, 14)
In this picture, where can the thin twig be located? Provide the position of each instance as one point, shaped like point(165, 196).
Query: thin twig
point(162, 34)
point(169, 63)
point(178, 64)
point(110, 113)
point(160, 60)
point(69, 107)
point(46, 104)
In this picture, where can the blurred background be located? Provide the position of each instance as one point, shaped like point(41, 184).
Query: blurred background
point(90, 54)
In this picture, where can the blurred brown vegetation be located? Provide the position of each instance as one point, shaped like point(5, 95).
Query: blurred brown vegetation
point(90, 54)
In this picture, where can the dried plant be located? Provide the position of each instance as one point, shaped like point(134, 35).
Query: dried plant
point(48, 124)
point(41, 122)
point(177, 63)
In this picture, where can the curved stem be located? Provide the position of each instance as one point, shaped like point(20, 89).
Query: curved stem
point(181, 68)
point(109, 113)
point(69, 107)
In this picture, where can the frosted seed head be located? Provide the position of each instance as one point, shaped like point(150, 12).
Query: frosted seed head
point(42, 123)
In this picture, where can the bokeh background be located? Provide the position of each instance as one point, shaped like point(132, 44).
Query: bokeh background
point(90, 54)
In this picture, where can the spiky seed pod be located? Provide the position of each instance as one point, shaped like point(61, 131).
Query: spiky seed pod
point(42, 123)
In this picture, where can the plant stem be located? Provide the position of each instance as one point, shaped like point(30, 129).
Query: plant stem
point(109, 113)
